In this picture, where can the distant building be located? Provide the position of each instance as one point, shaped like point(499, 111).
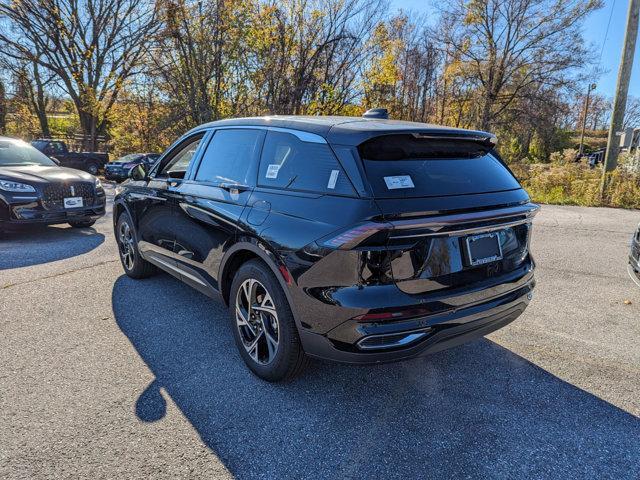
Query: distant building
point(630, 140)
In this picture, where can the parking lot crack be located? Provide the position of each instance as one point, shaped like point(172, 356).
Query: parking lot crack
point(59, 274)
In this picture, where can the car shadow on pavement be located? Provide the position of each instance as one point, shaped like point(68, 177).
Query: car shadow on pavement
point(30, 245)
point(478, 410)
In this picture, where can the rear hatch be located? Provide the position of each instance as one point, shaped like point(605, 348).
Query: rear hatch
point(460, 219)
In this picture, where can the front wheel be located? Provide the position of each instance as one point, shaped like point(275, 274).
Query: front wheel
point(134, 265)
point(263, 325)
point(92, 168)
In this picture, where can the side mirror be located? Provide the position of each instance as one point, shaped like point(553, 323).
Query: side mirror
point(139, 172)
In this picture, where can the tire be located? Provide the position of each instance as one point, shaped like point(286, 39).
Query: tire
point(255, 331)
point(82, 224)
point(92, 168)
point(134, 265)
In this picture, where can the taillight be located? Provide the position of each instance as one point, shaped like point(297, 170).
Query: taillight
point(369, 233)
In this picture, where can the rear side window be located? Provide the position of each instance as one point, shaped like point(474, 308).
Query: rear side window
point(401, 166)
point(229, 156)
point(288, 162)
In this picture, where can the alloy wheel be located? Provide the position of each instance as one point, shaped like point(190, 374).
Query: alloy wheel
point(257, 321)
point(125, 242)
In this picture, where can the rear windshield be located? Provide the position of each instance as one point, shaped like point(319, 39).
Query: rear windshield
point(400, 166)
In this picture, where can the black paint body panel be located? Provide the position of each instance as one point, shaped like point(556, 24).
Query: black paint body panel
point(336, 294)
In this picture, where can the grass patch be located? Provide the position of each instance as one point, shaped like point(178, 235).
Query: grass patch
point(576, 184)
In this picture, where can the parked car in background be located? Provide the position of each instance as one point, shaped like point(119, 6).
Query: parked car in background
point(634, 257)
point(119, 169)
point(596, 157)
point(90, 162)
point(33, 189)
point(349, 239)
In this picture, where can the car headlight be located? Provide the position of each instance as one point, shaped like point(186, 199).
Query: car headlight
point(98, 183)
point(9, 186)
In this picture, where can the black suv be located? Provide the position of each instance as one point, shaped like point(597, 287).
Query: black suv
point(350, 239)
point(34, 189)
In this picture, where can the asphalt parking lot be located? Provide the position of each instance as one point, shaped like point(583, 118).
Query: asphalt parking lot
point(105, 377)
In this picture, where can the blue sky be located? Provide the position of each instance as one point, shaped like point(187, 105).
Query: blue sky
point(594, 34)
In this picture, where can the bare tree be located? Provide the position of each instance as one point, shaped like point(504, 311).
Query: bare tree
point(188, 54)
point(632, 113)
point(404, 74)
point(32, 88)
point(506, 46)
point(92, 48)
point(312, 53)
point(3, 108)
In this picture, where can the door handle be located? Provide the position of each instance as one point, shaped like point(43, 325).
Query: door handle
point(234, 187)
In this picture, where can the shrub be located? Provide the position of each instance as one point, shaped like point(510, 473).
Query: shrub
point(575, 184)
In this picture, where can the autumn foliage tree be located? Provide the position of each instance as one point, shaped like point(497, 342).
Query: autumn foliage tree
point(93, 48)
point(142, 71)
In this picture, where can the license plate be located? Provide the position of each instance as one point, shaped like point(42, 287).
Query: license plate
point(484, 248)
point(73, 202)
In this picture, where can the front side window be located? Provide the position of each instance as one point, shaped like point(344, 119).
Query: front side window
point(229, 156)
point(288, 162)
point(177, 164)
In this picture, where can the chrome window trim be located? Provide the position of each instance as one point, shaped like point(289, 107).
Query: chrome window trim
point(302, 135)
point(154, 170)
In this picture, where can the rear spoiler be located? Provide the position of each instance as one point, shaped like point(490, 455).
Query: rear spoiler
point(488, 140)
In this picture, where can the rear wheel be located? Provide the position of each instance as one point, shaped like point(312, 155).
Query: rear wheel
point(263, 325)
point(134, 265)
point(82, 224)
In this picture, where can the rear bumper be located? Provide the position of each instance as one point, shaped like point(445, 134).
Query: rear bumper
point(437, 332)
point(115, 175)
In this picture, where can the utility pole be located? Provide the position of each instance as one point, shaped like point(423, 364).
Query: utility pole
point(622, 87)
point(592, 86)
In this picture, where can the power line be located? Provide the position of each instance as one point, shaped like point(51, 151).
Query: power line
point(606, 33)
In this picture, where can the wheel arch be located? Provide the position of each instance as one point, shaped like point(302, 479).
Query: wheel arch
point(241, 253)
point(119, 207)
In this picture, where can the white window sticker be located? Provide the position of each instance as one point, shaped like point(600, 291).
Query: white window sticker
point(272, 170)
point(333, 179)
point(398, 181)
